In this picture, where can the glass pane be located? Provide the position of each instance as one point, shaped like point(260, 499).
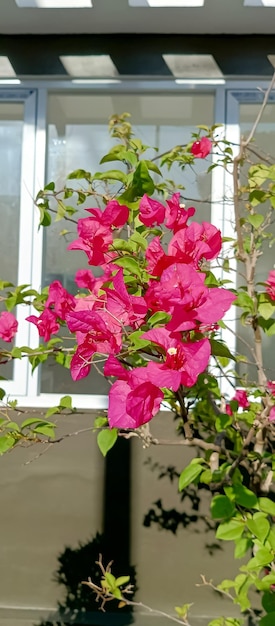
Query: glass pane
point(11, 128)
point(263, 144)
point(78, 138)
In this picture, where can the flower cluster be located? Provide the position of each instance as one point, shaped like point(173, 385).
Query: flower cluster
point(122, 301)
point(270, 284)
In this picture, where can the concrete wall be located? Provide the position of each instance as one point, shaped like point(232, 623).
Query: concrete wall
point(54, 498)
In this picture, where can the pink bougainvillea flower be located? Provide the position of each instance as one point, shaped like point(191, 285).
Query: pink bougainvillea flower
point(181, 293)
point(176, 214)
point(95, 332)
point(126, 309)
point(179, 284)
point(242, 399)
point(151, 211)
point(59, 300)
point(46, 324)
point(114, 214)
point(196, 242)
point(131, 405)
point(183, 361)
point(86, 280)
point(270, 283)
point(113, 367)
point(271, 416)
point(156, 258)
point(94, 239)
point(8, 326)
point(201, 148)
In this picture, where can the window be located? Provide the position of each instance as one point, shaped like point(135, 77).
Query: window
point(78, 138)
point(53, 132)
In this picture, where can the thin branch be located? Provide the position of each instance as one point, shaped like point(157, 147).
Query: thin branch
point(259, 116)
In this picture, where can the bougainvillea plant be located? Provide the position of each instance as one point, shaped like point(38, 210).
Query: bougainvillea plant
point(153, 316)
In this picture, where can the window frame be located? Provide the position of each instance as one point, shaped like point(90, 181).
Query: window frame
point(227, 97)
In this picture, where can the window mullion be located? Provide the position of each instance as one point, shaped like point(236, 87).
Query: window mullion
point(33, 379)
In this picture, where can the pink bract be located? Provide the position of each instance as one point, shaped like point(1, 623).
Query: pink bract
point(201, 148)
point(176, 214)
point(114, 214)
point(94, 239)
point(132, 405)
point(46, 324)
point(270, 289)
point(8, 326)
point(183, 361)
point(60, 300)
point(242, 399)
point(151, 211)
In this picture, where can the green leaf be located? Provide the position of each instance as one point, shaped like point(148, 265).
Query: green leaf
point(49, 187)
point(255, 220)
point(266, 309)
point(2, 393)
point(115, 154)
point(263, 584)
point(122, 580)
point(52, 411)
point(66, 402)
point(230, 531)
point(267, 506)
point(188, 475)
point(30, 421)
point(242, 545)
point(271, 539)
point(259, 526)
point(130, 264)
point(268, 601)
point(244, 497)
point(218, 348)
point(16, 353)
point(111, 175)
point(6, 443)
point(121, 244)
point(46, 429)
point(142, 182)
point(136, 342)
point(45, 218)
point(257, 196)
point(106, 439)
point(268, 620)
point(79, 174)
point(223, 421)
point(262, 557)
point(153, 167)
point(160, 317)
point(61, 211)
point(4, 284)
point(221, 507)
point(268, 326)
point(137, 238)
point(100, 422)
point(110, 579)
point(243, 300)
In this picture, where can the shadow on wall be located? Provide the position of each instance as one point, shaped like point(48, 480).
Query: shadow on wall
point(79, 605)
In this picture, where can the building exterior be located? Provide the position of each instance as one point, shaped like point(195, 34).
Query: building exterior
point(63, 72)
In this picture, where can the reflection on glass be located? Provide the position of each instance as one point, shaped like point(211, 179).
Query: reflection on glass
point(263, 145)
point(78, 138)
point(11, 127)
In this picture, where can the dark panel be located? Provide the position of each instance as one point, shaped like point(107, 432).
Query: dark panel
point(139, 54)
